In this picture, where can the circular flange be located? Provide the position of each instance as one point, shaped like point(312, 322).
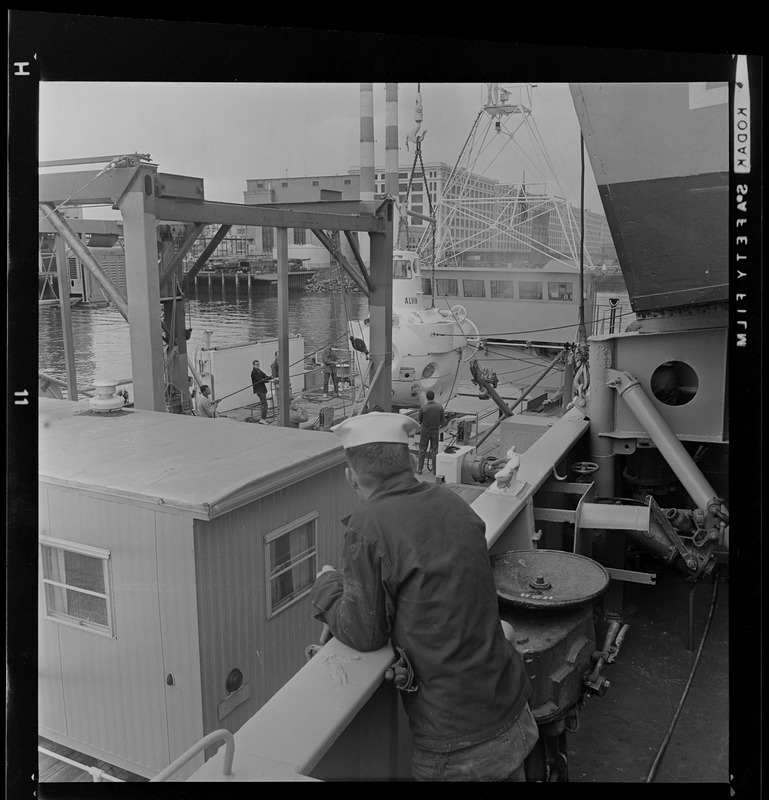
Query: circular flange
point(547, 578)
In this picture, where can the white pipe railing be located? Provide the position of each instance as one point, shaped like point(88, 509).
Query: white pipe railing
point(98, 775)
point(290, 734)
point(221, 735)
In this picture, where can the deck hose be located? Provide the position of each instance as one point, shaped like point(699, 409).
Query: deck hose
point(658, 758)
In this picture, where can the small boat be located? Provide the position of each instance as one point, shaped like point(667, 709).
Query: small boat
point(429, 344)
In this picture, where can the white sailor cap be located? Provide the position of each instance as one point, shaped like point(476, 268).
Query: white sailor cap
point(377, 426)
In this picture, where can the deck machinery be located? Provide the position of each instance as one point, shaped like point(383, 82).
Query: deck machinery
point(638, 459)
point(651, 472)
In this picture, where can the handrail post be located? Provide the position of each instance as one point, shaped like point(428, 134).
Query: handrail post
point(221, 735)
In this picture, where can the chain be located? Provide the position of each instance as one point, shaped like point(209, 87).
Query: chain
point(432, 224)
point(403, 220)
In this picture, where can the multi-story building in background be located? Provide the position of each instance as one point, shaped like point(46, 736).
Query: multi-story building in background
point(479, 219)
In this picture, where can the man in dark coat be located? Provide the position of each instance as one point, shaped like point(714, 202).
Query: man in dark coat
point(259, 381)
point(432, 418)
point(417, 573)
point(329, 371)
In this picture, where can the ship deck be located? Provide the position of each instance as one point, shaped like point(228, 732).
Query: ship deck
point(312, 399)
point(628, 732)
point(621, 733)
point(53, 770)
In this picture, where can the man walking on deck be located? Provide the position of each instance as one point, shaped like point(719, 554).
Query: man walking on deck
point(329, 371)
point(432, 418)
point(417, 574)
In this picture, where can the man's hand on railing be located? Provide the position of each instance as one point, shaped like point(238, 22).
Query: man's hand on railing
point(314, 649)
point(325, 634)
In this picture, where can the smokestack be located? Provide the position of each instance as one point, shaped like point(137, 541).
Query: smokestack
point(367, 144)
point(391, 139)
point(391, 144)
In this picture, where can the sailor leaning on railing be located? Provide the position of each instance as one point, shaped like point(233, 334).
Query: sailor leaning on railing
point(417, 573)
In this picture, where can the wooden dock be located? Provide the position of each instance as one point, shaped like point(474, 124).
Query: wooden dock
point(260, 281)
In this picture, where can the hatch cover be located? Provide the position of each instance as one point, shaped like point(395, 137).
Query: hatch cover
point(547, 578)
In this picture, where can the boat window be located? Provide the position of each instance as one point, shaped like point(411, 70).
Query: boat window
point(77, 585)
point(474, 288)
point(401, 269)
point(559, 291)
point(502, 289)
point(291, 562)
point(446, 286)
point(530, 290)
point(427, 286)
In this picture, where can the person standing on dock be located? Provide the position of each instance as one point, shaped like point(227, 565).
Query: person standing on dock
point(329, 371)
point(193, 396)
point(259, 382)
point(207, 406)
point(417, 574)
point(432, 418)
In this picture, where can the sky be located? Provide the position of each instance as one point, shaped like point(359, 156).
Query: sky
point(227, 133)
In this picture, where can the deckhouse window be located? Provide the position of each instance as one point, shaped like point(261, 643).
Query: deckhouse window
point(76, 581)
point(446, 286)
point(559, 291)
point(474, 288)
point(530, 290)
point(502, 289)
point(291, 555)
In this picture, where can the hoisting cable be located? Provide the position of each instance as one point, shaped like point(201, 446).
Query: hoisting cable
point(658, 758)
point(582, 335)
point(497, 334)
point(117, 161)
point(490, 391)
point(413, 136)
point(432, 228)
point(331, 341)
point(347, 333)
point(426, 185)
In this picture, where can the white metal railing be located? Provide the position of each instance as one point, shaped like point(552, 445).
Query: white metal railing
point(221, 735)
point(292, 732)
point(618, 316)
point(98, 775)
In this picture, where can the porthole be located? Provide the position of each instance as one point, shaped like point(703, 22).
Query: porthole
point(674, 383)
point(234, 680)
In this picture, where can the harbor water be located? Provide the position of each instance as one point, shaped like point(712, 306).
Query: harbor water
point(102, 341)
point(225, 317)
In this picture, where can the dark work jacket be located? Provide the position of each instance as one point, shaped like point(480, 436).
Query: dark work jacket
point(257, 381)
point(417, 572)
point(432, 416)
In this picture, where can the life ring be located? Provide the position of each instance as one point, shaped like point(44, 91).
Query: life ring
point(459, 312)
